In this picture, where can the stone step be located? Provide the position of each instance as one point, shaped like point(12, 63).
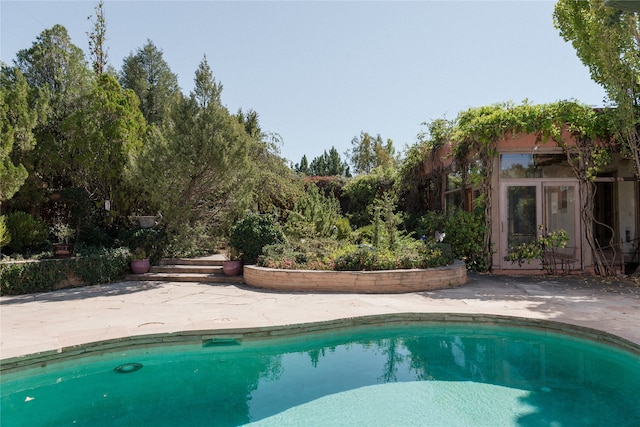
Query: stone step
point(206, 269)
point(185, 277)
point(208, 260)
point(187, 268)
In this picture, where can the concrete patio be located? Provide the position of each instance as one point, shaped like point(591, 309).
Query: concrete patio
point(52, 321)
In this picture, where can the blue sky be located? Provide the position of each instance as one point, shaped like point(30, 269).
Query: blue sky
point(319, 73)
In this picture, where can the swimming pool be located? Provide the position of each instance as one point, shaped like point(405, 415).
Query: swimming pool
point(414, 373)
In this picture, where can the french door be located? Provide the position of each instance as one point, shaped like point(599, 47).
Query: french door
point(526, 205)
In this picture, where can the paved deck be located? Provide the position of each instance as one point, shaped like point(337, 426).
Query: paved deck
point(50, 321)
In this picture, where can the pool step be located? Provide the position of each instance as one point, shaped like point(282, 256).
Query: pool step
point(202, 269)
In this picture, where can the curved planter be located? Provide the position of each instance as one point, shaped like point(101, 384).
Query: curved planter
point(386, 281)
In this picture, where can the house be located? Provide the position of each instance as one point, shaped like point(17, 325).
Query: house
point(532, 187)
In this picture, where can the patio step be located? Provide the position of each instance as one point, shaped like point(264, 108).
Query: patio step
point(182, 268)
point(202, 269)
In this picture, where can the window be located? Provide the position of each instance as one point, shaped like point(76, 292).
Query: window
point(513, 166)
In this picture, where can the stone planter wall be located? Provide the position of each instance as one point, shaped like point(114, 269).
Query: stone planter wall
point(386, 281)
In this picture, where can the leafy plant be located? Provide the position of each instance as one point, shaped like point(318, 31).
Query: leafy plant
point(314, 215)
point(465, 232)
point(546, 241)
point(5, 237)
point(27, 232)
point(63, 232)
point(330, 254)
point(150, 240)
point(94, 267)
point(138, 254)
point(252, 233)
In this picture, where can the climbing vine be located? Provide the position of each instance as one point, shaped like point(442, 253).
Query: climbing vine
point(475, 133)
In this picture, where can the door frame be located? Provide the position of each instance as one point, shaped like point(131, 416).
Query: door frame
point(539, 184)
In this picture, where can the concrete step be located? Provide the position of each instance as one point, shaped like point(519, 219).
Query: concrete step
point(208, 260)
point(186, 277)
point(187, 268)
point(202, 269)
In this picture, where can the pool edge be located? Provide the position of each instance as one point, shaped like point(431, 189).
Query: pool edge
point(18, 363)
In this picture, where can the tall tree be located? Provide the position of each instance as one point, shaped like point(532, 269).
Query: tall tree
point(368, 153)
point(206, 176)
point(103, 132)
point(97, 40)
point(607, 41)
point(284, 186)
point(303, 166)
point(17, 121)
point(55, 63)
point(57, 72)
point(149, 76)
point(329, 164)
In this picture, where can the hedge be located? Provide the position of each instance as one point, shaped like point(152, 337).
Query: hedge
point(25, 277)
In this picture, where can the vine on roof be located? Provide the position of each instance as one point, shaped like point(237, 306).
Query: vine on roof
point(476, 132)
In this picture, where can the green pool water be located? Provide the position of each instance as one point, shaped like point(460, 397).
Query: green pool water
point(423, 375)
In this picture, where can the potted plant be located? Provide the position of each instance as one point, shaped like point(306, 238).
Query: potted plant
point(233, 265)
point(139, 261)
point(63, 234)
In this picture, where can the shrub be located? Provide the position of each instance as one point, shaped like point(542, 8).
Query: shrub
point(152, 240)
point(545, 241)
point(465, 233)
point(305, 254)
point(27, 232)
point(343, 227)
point(252, 233)
point(92, 267)
point(314, 215)
point(5, 237)
point(331, 254)
point(410, 253)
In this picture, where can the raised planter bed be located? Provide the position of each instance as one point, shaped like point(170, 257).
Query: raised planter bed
point(370, 282)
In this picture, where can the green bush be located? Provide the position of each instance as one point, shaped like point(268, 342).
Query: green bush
point(99, 266)
point(5, 237)
point(27, 233)
point(465, 233)
point(152, 240)
point(344, 231)
point(408, 254)
point(305, 254)
point(252, 233)
point(314, 215)
point(331, 254)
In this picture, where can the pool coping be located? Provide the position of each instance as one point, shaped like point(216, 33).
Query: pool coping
point(44, 358)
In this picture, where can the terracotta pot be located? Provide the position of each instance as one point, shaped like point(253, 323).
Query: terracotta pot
point(231, 268)
point(140, 266)
point(62, 250)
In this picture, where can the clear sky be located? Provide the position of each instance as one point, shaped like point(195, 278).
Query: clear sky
point(319, 73)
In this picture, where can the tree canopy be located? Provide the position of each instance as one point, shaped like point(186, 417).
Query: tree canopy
point(17, 120)
point(197, 172)
point(149, 76)
point(368, 152)
point(607, 41)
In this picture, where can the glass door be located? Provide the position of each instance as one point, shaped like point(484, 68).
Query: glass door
point(526, 205)
point(520, 218)
point(560, 209)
